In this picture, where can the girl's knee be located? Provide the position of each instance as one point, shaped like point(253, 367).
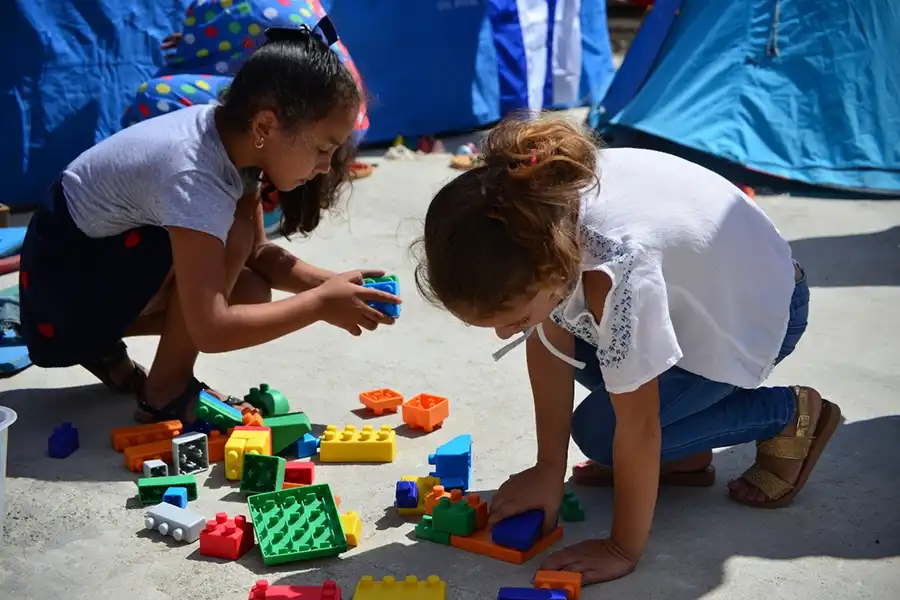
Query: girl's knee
point(593, 428)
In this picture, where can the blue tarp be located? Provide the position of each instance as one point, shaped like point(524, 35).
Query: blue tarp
point(805, 90)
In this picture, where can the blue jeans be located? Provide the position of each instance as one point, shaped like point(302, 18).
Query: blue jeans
point(695, 413)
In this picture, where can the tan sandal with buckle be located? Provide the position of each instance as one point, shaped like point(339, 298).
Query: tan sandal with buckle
point(801, 446)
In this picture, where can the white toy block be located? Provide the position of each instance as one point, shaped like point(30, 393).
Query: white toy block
point(155, 468)
point(180, 523)
point(190, 453)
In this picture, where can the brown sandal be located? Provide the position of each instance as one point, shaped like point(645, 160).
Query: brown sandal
point(590, 473)
point(801, 446)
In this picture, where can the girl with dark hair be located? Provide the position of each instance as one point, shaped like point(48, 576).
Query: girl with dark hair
point(159, 229)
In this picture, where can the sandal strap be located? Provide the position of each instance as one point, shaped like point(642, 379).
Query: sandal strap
point(770, 484)
point(174, 410)
point(804, 419)
point(791, 448)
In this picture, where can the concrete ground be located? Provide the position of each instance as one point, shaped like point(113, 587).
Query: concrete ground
point(73, 529)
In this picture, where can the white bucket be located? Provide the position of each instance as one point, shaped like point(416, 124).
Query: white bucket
point(7, 418)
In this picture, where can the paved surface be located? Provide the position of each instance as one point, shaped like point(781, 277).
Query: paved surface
point(73, 530)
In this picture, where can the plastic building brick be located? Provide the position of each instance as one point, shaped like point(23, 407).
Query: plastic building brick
point(135, 456)
point(297, 524)
point(425, 412)
point(190, 453)
point(455, 518)
point(245, 440)
point(226, 538)
point(366, 445)
point(262, 473)
point(263, 591)
point(570, 508)
point(155, 468)
point(410, 588)
point(480, 543)
point(63, 441)
point(181, 524)
point(268, 400)
point(511, 593)
point(391, 286)
point(381, 401)
point(176, 496)
point(424, 485)
point(307, 446)
point(252, 417)
point(560, 580)
point(150, 491)
point(215, 445)
point(199, 426)
point(300, 471)
point(407, 494)
point(473, 500)
point(352, 525)
point(433, 497)
point(520, 531)
point(287, 429)
point(217, 413)
point(452, 462)
point(425, 531)
point(138, 435)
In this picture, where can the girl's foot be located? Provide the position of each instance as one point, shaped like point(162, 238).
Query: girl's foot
point(693, 471)
point(783, 464)
point(158, 404)
point(118, 372)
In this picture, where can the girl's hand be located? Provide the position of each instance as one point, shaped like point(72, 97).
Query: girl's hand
point(343, 299)
point(540, 487)
point(596, 560)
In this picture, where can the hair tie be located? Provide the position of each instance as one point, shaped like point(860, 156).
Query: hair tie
point(324, 29)
point(533, 159)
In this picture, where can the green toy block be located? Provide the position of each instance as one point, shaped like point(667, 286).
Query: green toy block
point(570, 509)
point(297, 524)
point(381, 279)
point(262, 473)
point(215, 412)
point(287, 429)
point(269, 401)
point(151, 489)
point(425, 531)
point(453, 518)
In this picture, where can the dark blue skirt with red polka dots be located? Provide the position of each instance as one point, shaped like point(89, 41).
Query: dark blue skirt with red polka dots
point(79, 295)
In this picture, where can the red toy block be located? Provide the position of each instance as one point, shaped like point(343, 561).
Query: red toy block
point(226, 538)
point(263, 591)
point(300, 471)
point(381, 401)
point(425, 411)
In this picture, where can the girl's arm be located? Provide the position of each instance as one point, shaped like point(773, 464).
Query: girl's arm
point(278, 267)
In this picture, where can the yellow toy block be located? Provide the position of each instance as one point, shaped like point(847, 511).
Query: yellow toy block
point(245, 441)
point(407, 589)
point(352, 525)
point(350, 445)
point(424, 485)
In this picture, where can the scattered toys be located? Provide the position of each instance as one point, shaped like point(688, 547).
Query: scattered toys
point(300, 471)
point(180, 523)
point(286, 429)
point(263, 591)
point(453, 462)
point(262, 473)
point(409, 588)
point(63, 441)
point(381, 401)
point(426, 412)
point(352, 525)
point(176, 496)
point(217, 413)
point(190, 453)
point(150, 491)
point(307, 446)
point(269, 401)
point(138, 435)
point(424, 485)
point(155, 468)
point(245, 440)
point(226, 538)
point(136, 456)
point(350, 445)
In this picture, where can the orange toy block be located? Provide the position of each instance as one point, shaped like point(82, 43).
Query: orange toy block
point(434, 497)
point(251, 417)
point(559, 580)
point(381, 401)
point(126, 437)
point(480, 543)
point(136, 455)
point(474, 500)
point(425, 411)
point(216, 446)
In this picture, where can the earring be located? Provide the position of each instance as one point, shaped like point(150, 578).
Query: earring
point(259, 143)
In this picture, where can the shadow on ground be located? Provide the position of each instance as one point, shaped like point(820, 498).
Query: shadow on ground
point(865, 259)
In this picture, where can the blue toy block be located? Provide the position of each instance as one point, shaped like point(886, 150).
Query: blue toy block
point(199, 426)
point(511, 593)
point(307, 446)
point(407, 494)
point(176, 496)
point(63, 441)
point(391, 287)
point(520, 531)
point(452, 462)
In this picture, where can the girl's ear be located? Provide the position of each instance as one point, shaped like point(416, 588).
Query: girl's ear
point(264, 122)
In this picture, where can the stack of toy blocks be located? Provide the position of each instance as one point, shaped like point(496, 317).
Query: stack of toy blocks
point(226, 538)
point(263, 591)
point(297, 524)
point(389, 284)
point(410, 588)
point(152, 489)
point(245, 440)
point(287, 429)
point(411, 488)
point(145, 442)
point(269, 401)
point(350, 445)
point(453, 463)
point(426, 412)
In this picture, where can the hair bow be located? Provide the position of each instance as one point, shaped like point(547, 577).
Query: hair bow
point(324, 29)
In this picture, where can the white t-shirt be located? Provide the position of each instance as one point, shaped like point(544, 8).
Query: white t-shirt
point(701, 277)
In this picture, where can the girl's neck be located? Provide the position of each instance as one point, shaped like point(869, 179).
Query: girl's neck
point(237, 145)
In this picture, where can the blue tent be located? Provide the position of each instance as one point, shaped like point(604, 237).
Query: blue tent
point(762, 90)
